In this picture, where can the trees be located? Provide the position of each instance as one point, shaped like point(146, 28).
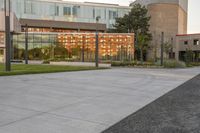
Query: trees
point(142, 44)
point(189, 56)
point(167, 49)
point(137, 21)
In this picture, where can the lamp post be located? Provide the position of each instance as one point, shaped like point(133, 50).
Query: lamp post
point(172, 42)
point(26, 45)
point(162, 49)
point(83, 48)
point(7, 34)
point(97, 43)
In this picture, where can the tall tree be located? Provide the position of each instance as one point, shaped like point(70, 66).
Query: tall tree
point(136, 21)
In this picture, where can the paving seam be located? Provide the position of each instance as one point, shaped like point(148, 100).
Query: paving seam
point(47, 112)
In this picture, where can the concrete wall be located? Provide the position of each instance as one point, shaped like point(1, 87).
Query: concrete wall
point(182, 21)
point(168, 16)
point(182, 3)
point(14, 23)
point(14, 27)
point(181, 46)
point(190, 38)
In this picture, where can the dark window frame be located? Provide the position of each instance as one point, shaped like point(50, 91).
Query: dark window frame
point(196, 42)
point(185, 42)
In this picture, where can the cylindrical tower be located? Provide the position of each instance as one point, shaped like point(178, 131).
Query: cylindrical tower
point(168, 16)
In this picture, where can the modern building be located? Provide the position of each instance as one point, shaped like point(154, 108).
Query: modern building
point(59, 14)
point(48, 17)
point(188, 42)
point(72, 25)
point(168, 16)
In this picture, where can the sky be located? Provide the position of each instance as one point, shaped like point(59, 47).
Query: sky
point(193, 12)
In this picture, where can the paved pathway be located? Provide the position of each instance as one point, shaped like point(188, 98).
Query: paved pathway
point(176, 112)
point(81, 102)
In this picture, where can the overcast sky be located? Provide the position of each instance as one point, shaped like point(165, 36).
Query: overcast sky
point(193, 13)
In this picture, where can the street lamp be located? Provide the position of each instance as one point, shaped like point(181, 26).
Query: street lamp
point(7, 34)
point(162, 49)
point(97, 43)
point(26, 44)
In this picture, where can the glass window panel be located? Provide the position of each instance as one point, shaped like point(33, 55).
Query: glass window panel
point(1, 5)
point(57, 11)
point(37, 38)
point(75, 10)
point(66, 10)
point(52, 11)
point(29, 7)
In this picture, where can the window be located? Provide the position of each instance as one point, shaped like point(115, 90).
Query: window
point(1, 52)
point(185, 42)
point(1, 5)
point(51, 10)
point(105, 13)
point(98, 12)
point(67, 11)
point(1, 38)
point(112, 14)
point(28, 7)
point(196, 42)
point(57, 11)
point(75, 10)
point(94, 13)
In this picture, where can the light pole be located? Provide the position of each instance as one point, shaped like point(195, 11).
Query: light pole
point(162, 48)
point(97, 43)
point(172, 42)
point(7, 34)
point(26, 45)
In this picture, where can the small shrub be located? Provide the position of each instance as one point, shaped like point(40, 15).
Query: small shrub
point(125, 63)
point(145, 64)
point(46, 62)
point(115, 63)
point(194, 64)
point(174, 64)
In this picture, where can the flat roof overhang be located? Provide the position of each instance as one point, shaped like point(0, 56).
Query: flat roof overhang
point(63, 24)
point(188, 34)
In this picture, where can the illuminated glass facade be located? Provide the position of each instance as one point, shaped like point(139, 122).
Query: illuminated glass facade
point(61, 30)
point(2, 39)
point(74, 47)
point(67, 11)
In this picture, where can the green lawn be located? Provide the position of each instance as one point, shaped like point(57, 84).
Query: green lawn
point(20, 69)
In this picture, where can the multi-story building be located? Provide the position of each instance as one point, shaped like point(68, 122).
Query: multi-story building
point(57, 14)
point(45, 16)
point(168, 16)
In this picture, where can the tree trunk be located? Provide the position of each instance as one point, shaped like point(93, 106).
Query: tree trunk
point(141, 56)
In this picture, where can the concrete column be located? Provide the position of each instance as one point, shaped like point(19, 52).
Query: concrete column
point(177, 49)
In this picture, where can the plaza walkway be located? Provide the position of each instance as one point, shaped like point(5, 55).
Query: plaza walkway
point(175, 112)
point(81, 102)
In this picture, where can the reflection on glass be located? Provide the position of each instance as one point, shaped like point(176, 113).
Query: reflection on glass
point(75, 47)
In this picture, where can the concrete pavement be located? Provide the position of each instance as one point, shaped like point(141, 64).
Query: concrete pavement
point(175, 112)
point(81, 102)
